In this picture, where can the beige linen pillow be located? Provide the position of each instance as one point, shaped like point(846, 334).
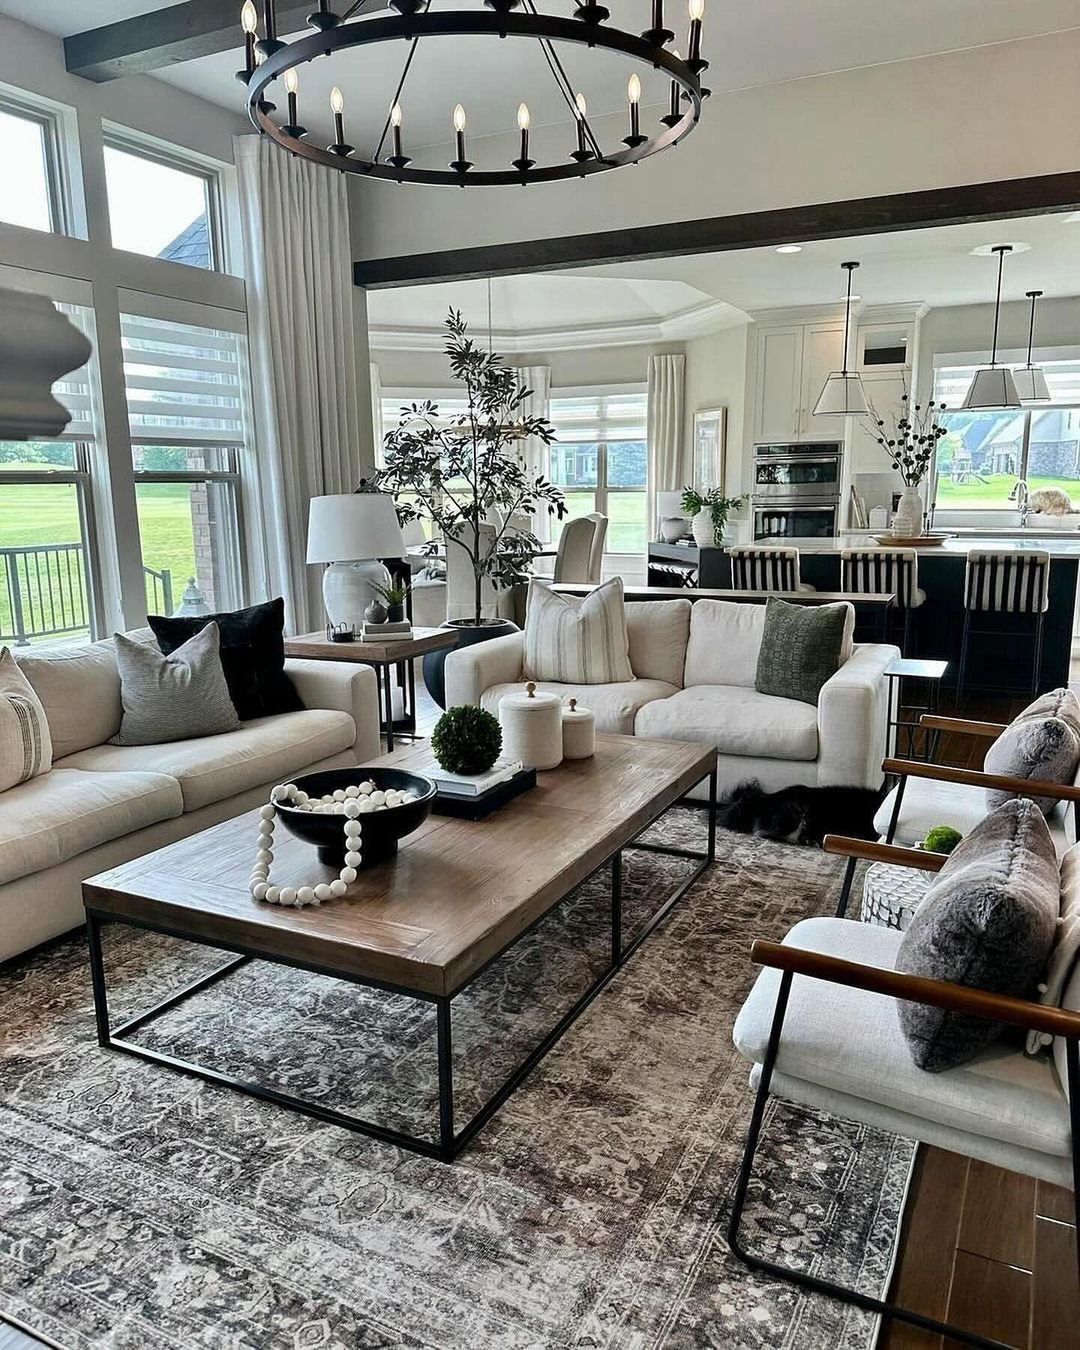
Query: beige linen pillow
point(577, 641)
point(25, 747)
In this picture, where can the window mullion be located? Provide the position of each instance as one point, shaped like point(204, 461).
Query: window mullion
point(1025, 448)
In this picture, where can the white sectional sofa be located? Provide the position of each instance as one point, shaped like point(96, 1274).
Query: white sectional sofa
point(101, 804)
point(694, 665)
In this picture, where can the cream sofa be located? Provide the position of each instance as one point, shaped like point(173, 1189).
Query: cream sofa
point(101, 805)
point(694, 665)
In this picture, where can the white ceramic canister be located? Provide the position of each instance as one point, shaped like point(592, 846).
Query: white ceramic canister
point(578, 731)
point(532, 730)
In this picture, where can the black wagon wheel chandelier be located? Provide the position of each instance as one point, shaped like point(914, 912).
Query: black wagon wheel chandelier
point(269, 60)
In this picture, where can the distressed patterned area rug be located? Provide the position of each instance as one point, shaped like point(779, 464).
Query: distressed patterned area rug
point(142, 1208)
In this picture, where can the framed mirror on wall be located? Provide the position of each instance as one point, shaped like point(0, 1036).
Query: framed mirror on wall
point(710, 447)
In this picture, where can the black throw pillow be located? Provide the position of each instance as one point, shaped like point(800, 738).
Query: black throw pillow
point(252, 655)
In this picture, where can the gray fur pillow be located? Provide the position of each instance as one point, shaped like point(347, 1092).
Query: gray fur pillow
point(1045, 748)
point(988, 921)
point(1061, 703)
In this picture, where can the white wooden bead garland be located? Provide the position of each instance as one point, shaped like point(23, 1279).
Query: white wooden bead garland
point(350, 803)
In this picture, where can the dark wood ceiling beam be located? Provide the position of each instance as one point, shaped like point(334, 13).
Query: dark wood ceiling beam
point(798, 224)
point(183, 32)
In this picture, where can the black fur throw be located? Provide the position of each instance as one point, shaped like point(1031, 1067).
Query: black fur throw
point(799, 815)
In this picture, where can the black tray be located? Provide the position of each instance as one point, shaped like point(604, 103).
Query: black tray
point(481, 805)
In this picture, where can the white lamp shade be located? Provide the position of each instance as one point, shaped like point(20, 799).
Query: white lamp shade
point(842, 395)
point(992, 388)
point(353, 525)
point(1031, 385)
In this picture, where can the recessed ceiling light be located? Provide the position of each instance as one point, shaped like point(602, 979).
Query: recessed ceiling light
point(790, 248)
point(987, 250)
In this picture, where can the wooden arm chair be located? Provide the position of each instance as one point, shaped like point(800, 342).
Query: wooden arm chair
point(830, 1039)
point(937, 794)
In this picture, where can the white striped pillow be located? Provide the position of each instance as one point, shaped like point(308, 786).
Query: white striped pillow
point(577, 641)
point(25, 745)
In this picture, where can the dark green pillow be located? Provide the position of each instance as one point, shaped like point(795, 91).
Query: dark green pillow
point(801, 648)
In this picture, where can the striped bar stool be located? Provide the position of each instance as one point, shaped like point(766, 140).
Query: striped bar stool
point(885, 571)
point(999, 583)
point(760, 567)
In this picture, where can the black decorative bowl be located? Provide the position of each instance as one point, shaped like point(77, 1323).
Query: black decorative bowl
point(382, 829)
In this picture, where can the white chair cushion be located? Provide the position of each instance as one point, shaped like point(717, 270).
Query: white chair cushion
point(849, 1042)
point(49, 819)
point(658, 631)
point(725, 638)
point(211, 768)
point(615, 705)
point(928, 803)
point(736, 720)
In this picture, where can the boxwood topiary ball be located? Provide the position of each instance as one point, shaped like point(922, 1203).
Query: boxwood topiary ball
point(942, 839)
point(466, 740)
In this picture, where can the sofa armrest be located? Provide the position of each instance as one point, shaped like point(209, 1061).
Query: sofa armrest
point(853, 717)
point(342, 686)
point(471, 670)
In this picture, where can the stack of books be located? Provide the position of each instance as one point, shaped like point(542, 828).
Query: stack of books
point(386, 632)
point(473, 796)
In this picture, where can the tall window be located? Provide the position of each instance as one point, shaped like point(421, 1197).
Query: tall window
point(28, 169)
point(394, 401)
point(600, 461)
point(45, 521)
point(161, 208)
point(983, 454)
point(187, 397)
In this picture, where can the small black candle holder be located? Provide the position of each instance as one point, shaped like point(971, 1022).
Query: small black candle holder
point(340, 632)
point(398, 161)
point(296, 132)
point(341, 149)
point(634, 141)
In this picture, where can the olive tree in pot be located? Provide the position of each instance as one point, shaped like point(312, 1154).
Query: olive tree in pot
point(465, 470)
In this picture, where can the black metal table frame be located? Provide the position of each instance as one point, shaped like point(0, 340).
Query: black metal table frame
point(449, 1141)
point(384, 680)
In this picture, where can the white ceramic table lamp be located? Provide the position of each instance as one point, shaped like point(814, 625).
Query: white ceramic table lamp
point(350, 532)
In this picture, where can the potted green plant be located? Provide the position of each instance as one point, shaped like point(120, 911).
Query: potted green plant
point(394, 598)
point(462, 470)
point(709, 511)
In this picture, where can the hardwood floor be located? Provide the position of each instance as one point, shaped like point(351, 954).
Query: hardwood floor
point(986, 1249)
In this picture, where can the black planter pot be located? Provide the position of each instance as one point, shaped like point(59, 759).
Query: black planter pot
point(468, 635)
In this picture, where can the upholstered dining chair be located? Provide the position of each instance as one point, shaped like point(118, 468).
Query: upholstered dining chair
point(574, 558)
point(820, 1029)
point(596, 552)
point(998, 583)
point(885, 571)
point(762, 567)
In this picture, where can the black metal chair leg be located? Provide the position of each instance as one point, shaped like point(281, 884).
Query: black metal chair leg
point(961, 675)
point(1036, 661)
point(845, 889)
point(894, 819)
point(883, 1307)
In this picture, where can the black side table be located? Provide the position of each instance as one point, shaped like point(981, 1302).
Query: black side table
point(903, 731)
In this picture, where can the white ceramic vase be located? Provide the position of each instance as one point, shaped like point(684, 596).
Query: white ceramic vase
point(701, 527)
point(348, 589)
point(908, 520)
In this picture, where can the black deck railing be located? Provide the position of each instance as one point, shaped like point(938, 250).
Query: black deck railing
point(43, 592)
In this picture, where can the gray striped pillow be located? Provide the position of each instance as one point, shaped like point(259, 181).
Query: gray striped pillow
point(572, 641)
point(25, 745)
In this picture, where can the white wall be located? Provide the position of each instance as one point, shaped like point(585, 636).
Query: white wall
point(968, 330)
point(586, 366)
point(973, 116)
point(716, 373)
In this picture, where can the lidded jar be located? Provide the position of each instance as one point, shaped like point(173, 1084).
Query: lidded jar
point(531, 722)
point(578, 731)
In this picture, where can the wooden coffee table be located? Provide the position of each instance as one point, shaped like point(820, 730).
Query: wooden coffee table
point(425, 924)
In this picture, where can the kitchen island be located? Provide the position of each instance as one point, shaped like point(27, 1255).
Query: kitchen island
point(999, 663)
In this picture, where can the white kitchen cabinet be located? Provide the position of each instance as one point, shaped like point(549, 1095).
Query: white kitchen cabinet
point(792, 362)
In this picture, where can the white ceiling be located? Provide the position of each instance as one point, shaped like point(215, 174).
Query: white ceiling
point(750, 44)
point(671, 297)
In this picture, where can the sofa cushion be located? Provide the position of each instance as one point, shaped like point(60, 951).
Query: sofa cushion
point(25, 746)
point(79, 688)
point(658, 631)
point(49, 819)
point(737, 721)
point(252, 655)
point(927, 803)
point(725, 637)
point(988, 922)
point(175, 697)
point(614, 705)
point(1001, 1094)
point(211, 768)
point(1064, 959)
point(801, 648)
point(577, 641)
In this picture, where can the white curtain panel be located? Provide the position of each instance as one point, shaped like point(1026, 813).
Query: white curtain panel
point(297, 268)
point(536, 454)
point(667, 378)
point(378, 430)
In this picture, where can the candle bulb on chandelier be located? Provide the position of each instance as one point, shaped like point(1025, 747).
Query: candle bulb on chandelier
point(582, 152)
point(633, 94)
point(292, 86)
point(337, 107)
point(460, 164)
point(395, 127)
point(674, 113)
point(523, 162)
point(249, 22)
point(269, 43)
point(697, 13)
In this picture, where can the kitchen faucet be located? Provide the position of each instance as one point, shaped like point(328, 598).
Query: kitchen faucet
point(1021, 495)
